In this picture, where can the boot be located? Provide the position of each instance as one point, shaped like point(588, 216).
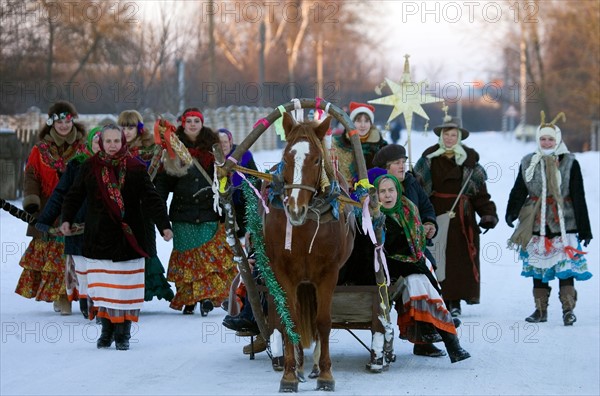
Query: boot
point(568, 297)
point(205, 307)
point(189, 309)
point(259, 344)
point(455, 351)
point(122, 335)
point(83, 307)
point(428, 350)
point(540, 296)
point(454, 308)
point(108, 334)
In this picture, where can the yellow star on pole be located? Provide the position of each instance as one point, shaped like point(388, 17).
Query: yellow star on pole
point(407, 97)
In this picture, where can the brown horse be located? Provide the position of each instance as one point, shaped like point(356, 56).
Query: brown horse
point(307, 250)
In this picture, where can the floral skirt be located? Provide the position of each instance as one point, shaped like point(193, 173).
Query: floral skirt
point(43, 276)
point(549, 258)
point(422, 311)
point(201, 264)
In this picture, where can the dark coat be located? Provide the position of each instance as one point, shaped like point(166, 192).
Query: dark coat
point(103, 237)
point(51, 212)
point(185, 207)
point(414, 192)
point(462, 252)
point(239, 201)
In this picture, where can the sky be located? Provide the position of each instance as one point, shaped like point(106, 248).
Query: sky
point(43, 353)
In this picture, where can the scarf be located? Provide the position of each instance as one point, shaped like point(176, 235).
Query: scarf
point(110, 177)
point(460, 155)
point(406, 214)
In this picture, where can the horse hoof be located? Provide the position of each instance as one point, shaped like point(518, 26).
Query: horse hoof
point(277, 363)
point(288, 387)
point(326, 385)
point(314, 373)
point(300, 376)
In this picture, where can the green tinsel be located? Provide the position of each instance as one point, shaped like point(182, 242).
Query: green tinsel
point(254, 226)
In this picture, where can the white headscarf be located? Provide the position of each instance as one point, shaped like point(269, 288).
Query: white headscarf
point(560, 148)
point(460, 155)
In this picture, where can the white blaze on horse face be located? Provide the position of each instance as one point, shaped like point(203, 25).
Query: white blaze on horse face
point(300, 151)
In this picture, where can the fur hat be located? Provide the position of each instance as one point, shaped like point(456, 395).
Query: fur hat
point(452, 122)
point(358, 108)
point(389, 153)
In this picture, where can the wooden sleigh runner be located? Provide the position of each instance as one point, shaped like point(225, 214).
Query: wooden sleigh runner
point(306, 268)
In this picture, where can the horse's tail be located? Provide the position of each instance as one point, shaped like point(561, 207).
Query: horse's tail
point(307, 308)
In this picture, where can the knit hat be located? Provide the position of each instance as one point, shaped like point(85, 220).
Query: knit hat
point(374, 173)
point(389, 153)
point(452, 122)
point(358, 108)
point(61, 110)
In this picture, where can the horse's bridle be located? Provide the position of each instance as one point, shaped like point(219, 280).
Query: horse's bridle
point(301, 187)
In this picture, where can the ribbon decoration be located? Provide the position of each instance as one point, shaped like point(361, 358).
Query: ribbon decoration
point(298, 111)
point(256, 192)
point(279, 123)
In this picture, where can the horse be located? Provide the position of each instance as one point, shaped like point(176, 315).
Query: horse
point(306, 248)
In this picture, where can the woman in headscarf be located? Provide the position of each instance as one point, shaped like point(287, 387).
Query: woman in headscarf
point(422, 315)
point(548, 198)
point(119, 197)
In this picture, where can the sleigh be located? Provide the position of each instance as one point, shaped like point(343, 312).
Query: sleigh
point(304, 253)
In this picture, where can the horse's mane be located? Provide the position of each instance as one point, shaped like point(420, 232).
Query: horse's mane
point(306, 129)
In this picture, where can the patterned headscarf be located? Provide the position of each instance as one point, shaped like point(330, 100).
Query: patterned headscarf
point(406, 214)
point(110, 171)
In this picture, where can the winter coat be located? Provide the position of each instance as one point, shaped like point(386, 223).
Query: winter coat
point(43, 172)
point(345, 153)
point(574, 210)
point(103, 236)
point(51, 212)
point(442, 180)
point(414, 192)
point(239, 202)
point(185, 207)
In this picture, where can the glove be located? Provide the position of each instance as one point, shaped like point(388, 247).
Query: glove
point(31, 208)
point(488, 222)
point(586, 241)
point(510, 220)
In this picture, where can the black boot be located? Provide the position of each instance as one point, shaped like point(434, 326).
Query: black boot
point(189, 309)
point(453, 347)
point(122, 335)
point(83, 307)
point(454, 307)
point(205, 307)
point(108, 334)
point(540, 297)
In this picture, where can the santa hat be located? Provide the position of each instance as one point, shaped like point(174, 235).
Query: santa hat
point(358, 108)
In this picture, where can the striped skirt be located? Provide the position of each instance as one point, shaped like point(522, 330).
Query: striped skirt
point(422, 311)
point(116, 289)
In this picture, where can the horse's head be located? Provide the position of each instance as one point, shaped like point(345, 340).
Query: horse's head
point(303, 162)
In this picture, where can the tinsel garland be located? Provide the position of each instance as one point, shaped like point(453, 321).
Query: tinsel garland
point(254, 227)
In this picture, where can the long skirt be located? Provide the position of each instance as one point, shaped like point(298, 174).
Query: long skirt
point(43, 276)
point(201, 264)
point(116, 289)
point(547, 258)
point(422, 312)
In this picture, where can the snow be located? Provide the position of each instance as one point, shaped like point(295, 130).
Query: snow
point(45, 353)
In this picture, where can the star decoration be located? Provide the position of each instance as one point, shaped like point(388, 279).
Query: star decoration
point(407, 97)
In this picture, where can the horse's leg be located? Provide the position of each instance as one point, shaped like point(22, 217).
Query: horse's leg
point(289, 381)
point(300, 363)
point(324, 289)
point(316, 356)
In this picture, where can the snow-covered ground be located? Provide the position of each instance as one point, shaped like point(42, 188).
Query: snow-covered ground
point(44, 353)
